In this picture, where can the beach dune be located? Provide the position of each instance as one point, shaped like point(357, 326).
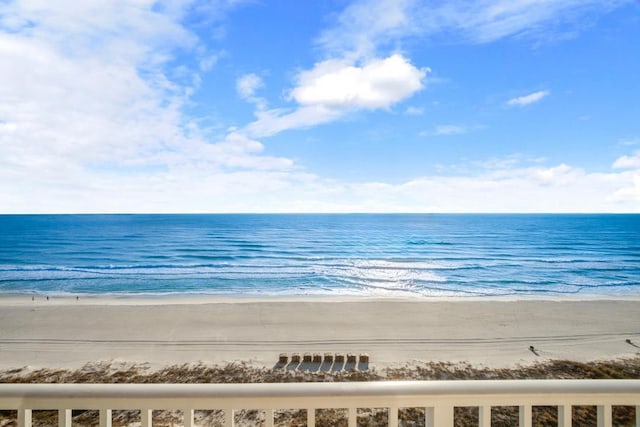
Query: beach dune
point(68, 333)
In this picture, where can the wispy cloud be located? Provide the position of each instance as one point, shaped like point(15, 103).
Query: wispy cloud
point(366, 25)
point(450, 130)
point(628, 162)
point(414, 111)
point(486, 21)
point(271, 122)
point(247, 85)
point(629, 142)
point(531, 98)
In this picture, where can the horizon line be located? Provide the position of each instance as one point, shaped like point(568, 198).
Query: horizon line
point(318, 213)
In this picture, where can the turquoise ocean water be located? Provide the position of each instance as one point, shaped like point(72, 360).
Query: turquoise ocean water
point(321, 255)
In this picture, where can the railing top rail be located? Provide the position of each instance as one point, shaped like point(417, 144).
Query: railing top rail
point(374, 388)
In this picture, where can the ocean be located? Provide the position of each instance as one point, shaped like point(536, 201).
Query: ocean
point(246, 255)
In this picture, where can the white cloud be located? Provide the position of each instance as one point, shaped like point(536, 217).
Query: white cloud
point(8, 127)
point(239, 151)
point(499, 186)
point(247, 85)
point(208, 62)
point(450, 130)
point(125, 30)
point(334, 88)
point(88, 108)
point(628, 162)
point(379, 83)
point(507, 188)
point(512, 161)
point(414, 111)
point(528, 99)
point(630, 192)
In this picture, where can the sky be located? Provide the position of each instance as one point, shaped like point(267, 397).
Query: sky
point(131, 106)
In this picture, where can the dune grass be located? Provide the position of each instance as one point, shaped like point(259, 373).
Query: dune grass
point(240, 372)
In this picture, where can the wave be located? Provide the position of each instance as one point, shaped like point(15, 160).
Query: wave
point(420, 242)
point(355, 254)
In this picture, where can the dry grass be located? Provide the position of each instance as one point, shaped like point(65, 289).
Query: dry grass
point(555, 369)
point(244, 373)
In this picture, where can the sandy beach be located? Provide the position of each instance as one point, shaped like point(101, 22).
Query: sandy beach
point(68, 333)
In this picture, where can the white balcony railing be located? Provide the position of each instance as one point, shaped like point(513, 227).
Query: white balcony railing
point(437, 397)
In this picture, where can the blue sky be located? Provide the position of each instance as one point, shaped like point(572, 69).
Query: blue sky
point(319, 106)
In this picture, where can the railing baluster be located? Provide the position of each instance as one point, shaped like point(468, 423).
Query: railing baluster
point(228, 418)
point(637, 416)
point(484, 416)
point(188, 417)
point(268, 417)
point(604, 416)
point(525, 416)
point(393, 417)
point(311, 417)
point(105, 417)
point(428, 417)
point(564, 416)
point(146, 417)
point(439, 416)
point(353, 417)
point(64, 417)
point(24, 417)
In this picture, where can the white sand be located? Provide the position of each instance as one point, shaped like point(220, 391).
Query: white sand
point(161, 331)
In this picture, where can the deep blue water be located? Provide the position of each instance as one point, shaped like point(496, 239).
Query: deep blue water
point(294, 255)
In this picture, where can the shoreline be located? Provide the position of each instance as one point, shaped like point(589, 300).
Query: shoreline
point(21, 299)
point(69, 333)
